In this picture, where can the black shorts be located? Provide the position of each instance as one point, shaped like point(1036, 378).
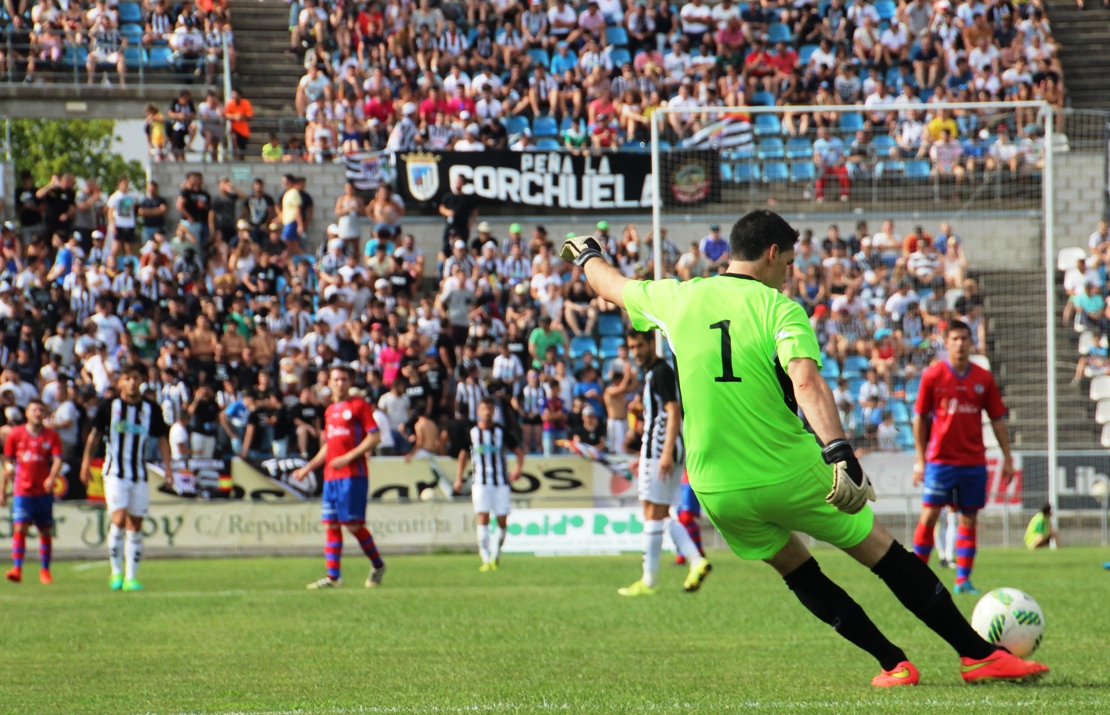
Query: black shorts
point(125, 235)
point(241, 141)
point(178, 137)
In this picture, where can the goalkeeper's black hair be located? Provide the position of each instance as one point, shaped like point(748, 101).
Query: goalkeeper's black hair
point(758, 230)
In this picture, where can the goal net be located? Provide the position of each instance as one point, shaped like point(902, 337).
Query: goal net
point(912, 215)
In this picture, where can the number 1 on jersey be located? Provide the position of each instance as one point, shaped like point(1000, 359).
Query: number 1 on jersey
point(726, 353)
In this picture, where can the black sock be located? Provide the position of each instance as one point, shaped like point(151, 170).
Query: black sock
point(832, 605)
point(920, 591)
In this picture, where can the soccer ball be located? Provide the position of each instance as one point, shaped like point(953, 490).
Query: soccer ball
point(1009, 618)
point(427, 494)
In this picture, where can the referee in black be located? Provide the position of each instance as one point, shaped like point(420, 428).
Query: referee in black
point(124, 424)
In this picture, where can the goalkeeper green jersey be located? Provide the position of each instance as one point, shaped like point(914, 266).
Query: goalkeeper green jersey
point(1038, 527)
point(732, 338)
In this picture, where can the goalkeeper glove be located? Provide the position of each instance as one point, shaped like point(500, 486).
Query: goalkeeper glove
point(851, 488)
point(581, 249)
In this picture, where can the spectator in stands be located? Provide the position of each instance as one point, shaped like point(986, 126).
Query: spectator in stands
point(947, 157)
point(829, 155)
point(106, 46)
point(239, 112)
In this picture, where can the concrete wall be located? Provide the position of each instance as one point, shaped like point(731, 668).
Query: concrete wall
point(1080, 196)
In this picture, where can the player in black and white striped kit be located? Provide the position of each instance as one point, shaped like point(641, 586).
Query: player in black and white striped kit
point(489, 489)
point(124, 424)
point(662, 462)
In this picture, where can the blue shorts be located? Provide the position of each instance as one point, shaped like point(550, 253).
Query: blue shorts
point(289, 232)
point(345, 500)
point(950, 484)
point(33, 510)
point(688, 501)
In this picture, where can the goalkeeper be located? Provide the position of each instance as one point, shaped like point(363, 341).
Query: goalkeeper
point(747, 359)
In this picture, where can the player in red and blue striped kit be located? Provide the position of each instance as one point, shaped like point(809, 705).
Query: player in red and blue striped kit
point(33, 453)
point(951, 459)
point(350, 434)
point(689, 509)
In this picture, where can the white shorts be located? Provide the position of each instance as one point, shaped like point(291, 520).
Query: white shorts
point(491, 500)
point(655, 490)
point(616, 430)
point(102, 57)
point(126, 494)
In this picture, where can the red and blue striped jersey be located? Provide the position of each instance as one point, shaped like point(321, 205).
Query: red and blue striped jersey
point(34, 454)
point(346, 424)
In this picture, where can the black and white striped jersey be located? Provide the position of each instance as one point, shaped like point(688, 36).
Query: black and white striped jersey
point(488, 448)
point(467, 397)
point(660, 387)
point(125, 428)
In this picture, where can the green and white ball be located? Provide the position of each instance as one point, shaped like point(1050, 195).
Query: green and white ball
point(1009, 618)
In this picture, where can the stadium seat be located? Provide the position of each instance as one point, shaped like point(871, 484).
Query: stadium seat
point(135, 57)
point(912, 386)
point(610, 324)
point(767, 124)
point(160, 58)
point(1067, 257)
point(745, 173)
point(548, 144)
point(904, 440)
point(581, 345)
point(540, 56)
point(664, 145)
point(799, 148)
point(125, 260)
point(517, 124)
point(851, 122)
point(1100, 388)
point(764, 99)
point(726, 173)
point(1102, 412)
point(616, 35)
point(75, 56)
point(882, 144)
point(899, 411)
point(771, 148)
point(888, 169)
point(777, 32)
point(802, 171)
point(829, 369)
point(609, 345)
point(854, 384)
point(856, 364)
point(776, 171)
point(130, 12)
point(634, 147)
point(916, 169)
point(133, 33)
point(806, 53)
point(744, 153)
point(620, 56)
point(545, 126)
point(566, 124)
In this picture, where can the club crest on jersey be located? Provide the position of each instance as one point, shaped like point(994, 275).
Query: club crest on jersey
point(979, 389)
point(347, 414)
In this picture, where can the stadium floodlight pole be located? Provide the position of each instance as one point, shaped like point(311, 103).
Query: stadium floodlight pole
point(656, 213)
point(1049, 200)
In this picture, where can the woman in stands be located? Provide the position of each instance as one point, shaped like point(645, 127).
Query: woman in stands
point(211, 116)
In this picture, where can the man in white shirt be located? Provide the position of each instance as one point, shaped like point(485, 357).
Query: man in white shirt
point(723, 11)
point(562, 20)
point(179, 437)
point(395, 403)
point(851, 302)
point(1099, 237)
point(470, 142)
point(873, 388)
point(677, 63)
point(546, 290)
point(121, 208)
point(696, 20)
point(889, 243)
point(876, 102)
point(901, 298)
point(983, 56)
point(108, 326)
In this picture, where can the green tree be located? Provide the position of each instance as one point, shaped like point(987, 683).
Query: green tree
point(82, 147)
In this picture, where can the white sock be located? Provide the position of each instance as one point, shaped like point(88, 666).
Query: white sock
point(134, 552)
point(682, 540)
point(653, 546)
point(498, 542)
point(115, 548)
point(950, 535)
point(483, 542)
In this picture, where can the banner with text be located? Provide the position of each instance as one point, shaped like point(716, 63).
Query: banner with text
point(566, 532)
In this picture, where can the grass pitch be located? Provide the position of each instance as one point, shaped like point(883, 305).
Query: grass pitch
point(541, 635)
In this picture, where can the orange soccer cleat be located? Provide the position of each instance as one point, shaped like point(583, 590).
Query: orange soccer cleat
point(1000, 666)
point(902, 674)
point(45, 577)
point(15, 575)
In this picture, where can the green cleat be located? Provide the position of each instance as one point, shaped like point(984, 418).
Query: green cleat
point(698, 573)
point(495, 564)
point(132, 585)
point(485, 567)
point(966, 587)
point(637, 589)
point(116, 582)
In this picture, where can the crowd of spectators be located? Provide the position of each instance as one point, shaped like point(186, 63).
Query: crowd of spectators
point(42, 38)
point(478, 75)
point(1086, 285)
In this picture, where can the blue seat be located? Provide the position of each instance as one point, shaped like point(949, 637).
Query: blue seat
point(75, 56)
point(771, 148)
point(133, 33)
point(776, 171)
point(777, 32)
point(566, 124)
point(517, 124)
point(854, 384)
point(899, 411)
point(803, 171)
point(471, 34)
point(799, 148)
point(616, 35)
point(882, 144)
point(609, 325)
point(912, 386)
point(829, 369)
point(160, 58)
point(664, 145)
point(620, 56)
point(857, 364)
point(885, 8)
point(904, 439)
point(851, 122)
point(548, 144)
point(745, 173)
point(134, 56)
point(609, 345)
point(888, 168)
point(125, 260)
point(806, 53)
point(634, 147)
point(746, 153)
point(767, 125)
point(764, 99)
point(916, 169)
point(540, 56)
point(545, 126)
point(726, 173)
point(581, 345)
point(130, 12)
